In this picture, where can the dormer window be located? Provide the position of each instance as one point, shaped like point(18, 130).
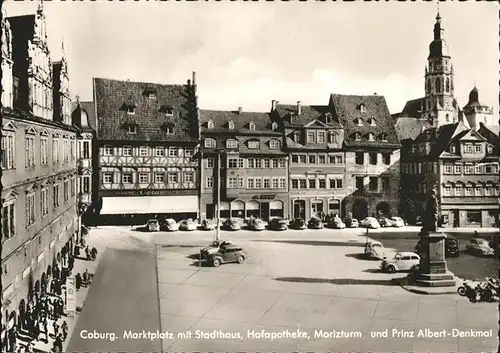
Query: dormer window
point(372, 122)
point(231, 144)
point(251, 126)
point(151, 95)
point(130, 110)
point(209, 143)
point(274, 145)
point(452, 149)
point(371, 137)
point(383, 137)
point(359, 122)
point(253, 145)
point(490, 149)
point(362, 108)
point(132, 129)
point(357, 137)
point(210, 124)
point(328, 118)
point(332, 138)
point(169, 111)
point(230, 125)
point(274, 126)
point(296, 136)
point(169, 130)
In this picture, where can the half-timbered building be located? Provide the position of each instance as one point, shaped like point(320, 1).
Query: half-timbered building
point(39, 217)
point(314, 143)
point(146, 138)
point(253, 168)
point(462, 166)
point(371, 155)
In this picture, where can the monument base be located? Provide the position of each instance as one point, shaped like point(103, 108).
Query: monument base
point(433, 271)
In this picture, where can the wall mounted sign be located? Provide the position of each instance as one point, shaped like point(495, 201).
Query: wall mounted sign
point(148, 192)
point(70, 295)
point(263, 197)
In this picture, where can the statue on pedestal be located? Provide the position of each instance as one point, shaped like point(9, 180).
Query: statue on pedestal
point(430, 221)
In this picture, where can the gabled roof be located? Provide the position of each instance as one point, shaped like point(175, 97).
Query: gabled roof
point(221, 118)
point(494, 129)
point(440, 137)
point(470, 135)
point(409, 128)
point(309, 114)
point(413, 108)
point(112, 119)
point(346, 109)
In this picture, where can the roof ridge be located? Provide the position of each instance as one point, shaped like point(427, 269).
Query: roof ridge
point(139, 82)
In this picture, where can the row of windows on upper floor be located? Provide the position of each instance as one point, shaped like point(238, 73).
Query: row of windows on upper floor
point(146, 151)
point(316, 159)
point(251, 144)
point(41, 196)
point(470, 190)
point(441, 85)
point(372, 158)
point(251, 163)
point(230, 125)
point(450, 169)
point(133, 128)
point(63, 149)
point(251, 182)
point(468, 148)
point(145, 177)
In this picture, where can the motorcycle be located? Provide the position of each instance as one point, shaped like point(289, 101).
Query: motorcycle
point(466, 290)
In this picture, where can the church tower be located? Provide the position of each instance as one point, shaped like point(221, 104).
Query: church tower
point(477, 113)
point(440, 106)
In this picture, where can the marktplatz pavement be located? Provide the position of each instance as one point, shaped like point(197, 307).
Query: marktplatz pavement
point(308, 296)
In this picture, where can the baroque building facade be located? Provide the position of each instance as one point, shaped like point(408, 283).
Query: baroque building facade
point(242, 159)
point(147, 135)
point(39, 215)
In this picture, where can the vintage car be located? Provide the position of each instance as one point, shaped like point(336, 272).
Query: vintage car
point(480, 246)
point(351, 223)
point(298, 223)
point(375, 250)
point(397, 222)
point(370, 222)
point(153, 225)
point(450, 247)
point(214, 247)
point(208, 224)
point(336, 223)
point(232, 224)
point(315, 223)
point(169, 225)
point(278, 224)
point(256, 224)
point(229, 253)
point(385, 222)
point(188, 224)
point(402, 261)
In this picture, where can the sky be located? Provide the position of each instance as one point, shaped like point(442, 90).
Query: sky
point(247, 54)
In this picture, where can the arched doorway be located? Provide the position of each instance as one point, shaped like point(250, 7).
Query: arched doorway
point(276, 209)
point(22, 314)
point(360, 209)
point(237, 209)
point(299, 209)
point(253, 209)
point(383, 209)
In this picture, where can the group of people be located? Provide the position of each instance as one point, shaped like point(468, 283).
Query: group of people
point(90, 254)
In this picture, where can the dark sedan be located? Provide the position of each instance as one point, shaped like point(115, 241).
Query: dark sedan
point(315, 223)
point(278, 224)
point(298, 223)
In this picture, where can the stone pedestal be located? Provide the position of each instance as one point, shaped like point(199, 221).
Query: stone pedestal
point(433, 270)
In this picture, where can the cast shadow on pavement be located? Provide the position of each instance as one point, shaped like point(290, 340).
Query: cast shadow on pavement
point(338, 281)
point(314, 242)
point(200, 264)
point(361, 256)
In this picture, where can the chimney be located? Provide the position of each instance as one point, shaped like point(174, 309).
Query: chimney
point(273, 105)
point(240, 110)
point(299, 110)
point(194, 78)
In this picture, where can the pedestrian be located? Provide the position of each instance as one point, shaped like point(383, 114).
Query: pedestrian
point(61, 307)
point(55, 326)
point(78, 281)
point(58, 344)
point(46, 329)
point(64, 329)
point(87, 252)
point(86, 277)
point(94, 253)
point(56, 271)
point(71, 262)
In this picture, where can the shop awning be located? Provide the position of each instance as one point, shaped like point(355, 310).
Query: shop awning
point(149, 204)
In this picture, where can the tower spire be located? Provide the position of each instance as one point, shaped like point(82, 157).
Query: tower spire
point(40, 6)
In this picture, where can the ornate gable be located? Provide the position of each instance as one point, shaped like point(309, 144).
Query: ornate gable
point(31, 130)
point(44, 133)
point(472, 135)
point(316, 123)
point(9, 194)
point(9, 126)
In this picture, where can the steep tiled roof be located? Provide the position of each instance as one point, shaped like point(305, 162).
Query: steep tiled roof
point(347, 110)
point(492, 128)
point(113, 98)
point(221, 119)
point(308, 113)
point(440, 137)
point(408, 128)
point(413, 108)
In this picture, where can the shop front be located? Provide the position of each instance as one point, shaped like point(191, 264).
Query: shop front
point(471, 216)
point(319, 207)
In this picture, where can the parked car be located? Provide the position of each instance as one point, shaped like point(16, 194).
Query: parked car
point(370, 222)
point(188, 224)
point(256, 224)
point(480, 246)
point(298, 223)
point(169, 225)
point(451, 247)
point(315, 223)
point(385, 222)
point(375, 250)
point(232, 224)
point(402, 261)
point(214, 247)
point(493, 241)
point(351, 223)
point(278, 224)
point(153, 225)
point(229, 253)
point(397, 222)
point(208, 224)
point(336, 223)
